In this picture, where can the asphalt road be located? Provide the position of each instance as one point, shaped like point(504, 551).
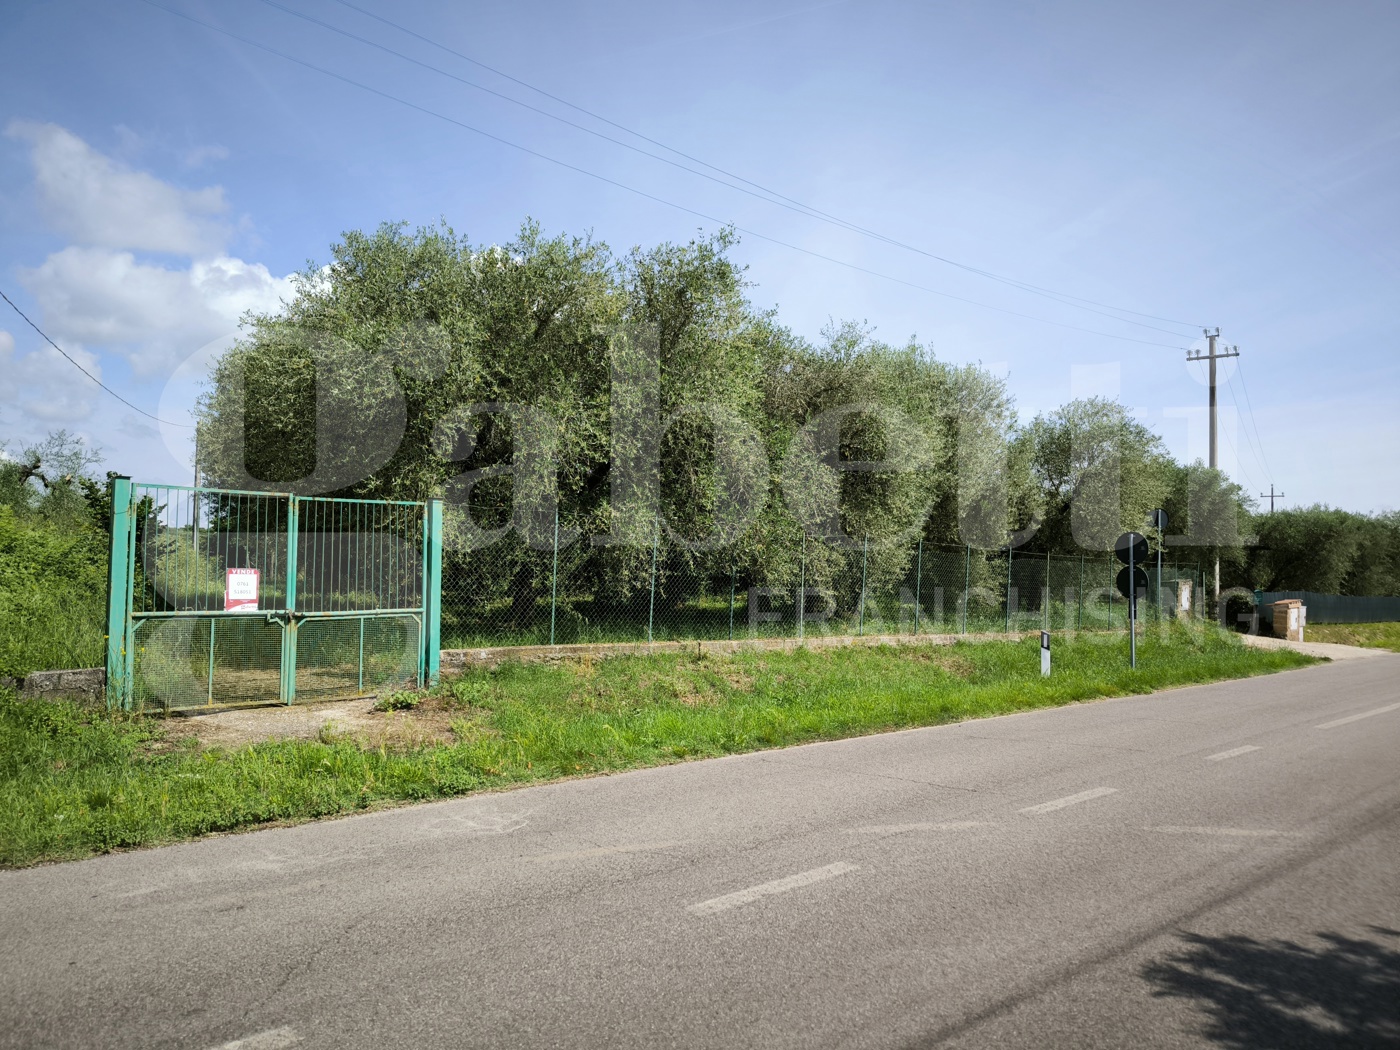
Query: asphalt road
point(1209, 866)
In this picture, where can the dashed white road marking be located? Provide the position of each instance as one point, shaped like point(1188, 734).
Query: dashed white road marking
point(1357, 718)
point(1234, 751)
point(768, 889)
point(899, 829)
point(272, 1039)
point(1069, 800)
point(1238, 833)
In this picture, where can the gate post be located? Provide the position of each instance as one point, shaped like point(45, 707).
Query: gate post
point(432, 592)
point(289, 630)
point(119, 584)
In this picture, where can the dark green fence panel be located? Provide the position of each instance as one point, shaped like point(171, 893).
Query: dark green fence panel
point(1338, 608)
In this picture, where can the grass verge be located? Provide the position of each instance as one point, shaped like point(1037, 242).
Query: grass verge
point(74, 783)
point(1370, 635)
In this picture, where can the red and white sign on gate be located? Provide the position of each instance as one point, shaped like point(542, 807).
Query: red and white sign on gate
point(241, 590)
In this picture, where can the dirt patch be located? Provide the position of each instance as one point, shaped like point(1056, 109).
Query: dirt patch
point(354, 721)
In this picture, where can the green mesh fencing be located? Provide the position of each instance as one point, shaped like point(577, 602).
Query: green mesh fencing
point(351, 656)
point(509, 594)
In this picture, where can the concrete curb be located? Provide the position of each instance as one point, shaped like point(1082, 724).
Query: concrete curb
point(87, 685)
point(456, 660)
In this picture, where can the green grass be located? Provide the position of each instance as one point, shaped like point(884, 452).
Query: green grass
point(1370, 635)
point(74, 783)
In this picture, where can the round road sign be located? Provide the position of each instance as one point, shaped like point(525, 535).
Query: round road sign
point(1134, 541)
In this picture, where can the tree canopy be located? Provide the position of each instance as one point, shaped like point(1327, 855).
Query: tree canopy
point(641, 392)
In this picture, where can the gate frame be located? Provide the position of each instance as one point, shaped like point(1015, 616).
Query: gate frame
point(121, 621)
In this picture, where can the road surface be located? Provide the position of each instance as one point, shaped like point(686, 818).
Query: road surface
point(1210, 866)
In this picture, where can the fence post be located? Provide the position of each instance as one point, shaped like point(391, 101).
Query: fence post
point(289, 630)
point(119, 584)
point(802, 589)
point(1110, 596)
point(864, 564)
point(733, 575)
point(1008, 588)
point(918, 584)
point(651, 610)
point(432, 599)
point(967, 587)
point(209, 695)
point(1079, 624)
point(1045, 605)
point(554, 578)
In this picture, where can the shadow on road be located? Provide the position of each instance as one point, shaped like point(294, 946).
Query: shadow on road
point(1257, 994)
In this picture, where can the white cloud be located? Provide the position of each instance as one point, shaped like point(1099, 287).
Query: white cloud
point(157, 315)
point(98, 201)
point(44, 386)
point(100, 296)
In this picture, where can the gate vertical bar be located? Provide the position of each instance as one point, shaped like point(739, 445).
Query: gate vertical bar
point(432, 593)
point(209, 699)
point(119, 596)
point(289, 628)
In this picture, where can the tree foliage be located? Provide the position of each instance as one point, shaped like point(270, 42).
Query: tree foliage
point(436, 365)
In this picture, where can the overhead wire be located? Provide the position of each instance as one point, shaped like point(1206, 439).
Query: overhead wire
point(1249, 440)
point(767, 193)
point(641, 193)
point(1239, 369)
point(72, 361)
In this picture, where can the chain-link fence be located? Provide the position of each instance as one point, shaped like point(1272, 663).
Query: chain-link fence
point(508, 594)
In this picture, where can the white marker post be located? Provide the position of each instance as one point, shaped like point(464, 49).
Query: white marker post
point(1045, 654)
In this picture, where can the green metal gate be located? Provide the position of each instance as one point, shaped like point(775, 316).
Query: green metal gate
point(219, 597)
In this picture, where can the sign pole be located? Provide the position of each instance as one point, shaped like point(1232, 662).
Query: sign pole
point(1132, 610)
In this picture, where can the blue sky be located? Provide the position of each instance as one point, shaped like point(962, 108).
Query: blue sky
point(1217, 164)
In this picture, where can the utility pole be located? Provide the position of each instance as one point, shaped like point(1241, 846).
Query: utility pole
point(1271, 495)
point(1213, 356)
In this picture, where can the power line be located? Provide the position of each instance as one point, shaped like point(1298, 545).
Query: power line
point(1253, 421)
point(85, 372)
point(773, 196)
point(1249, 439)
point(641, 193)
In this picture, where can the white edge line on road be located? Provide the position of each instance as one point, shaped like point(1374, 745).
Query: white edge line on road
point(1069, 800)
point(767, 889)
point(272, 1039)
point(1357, 718)
point(1234, 751)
